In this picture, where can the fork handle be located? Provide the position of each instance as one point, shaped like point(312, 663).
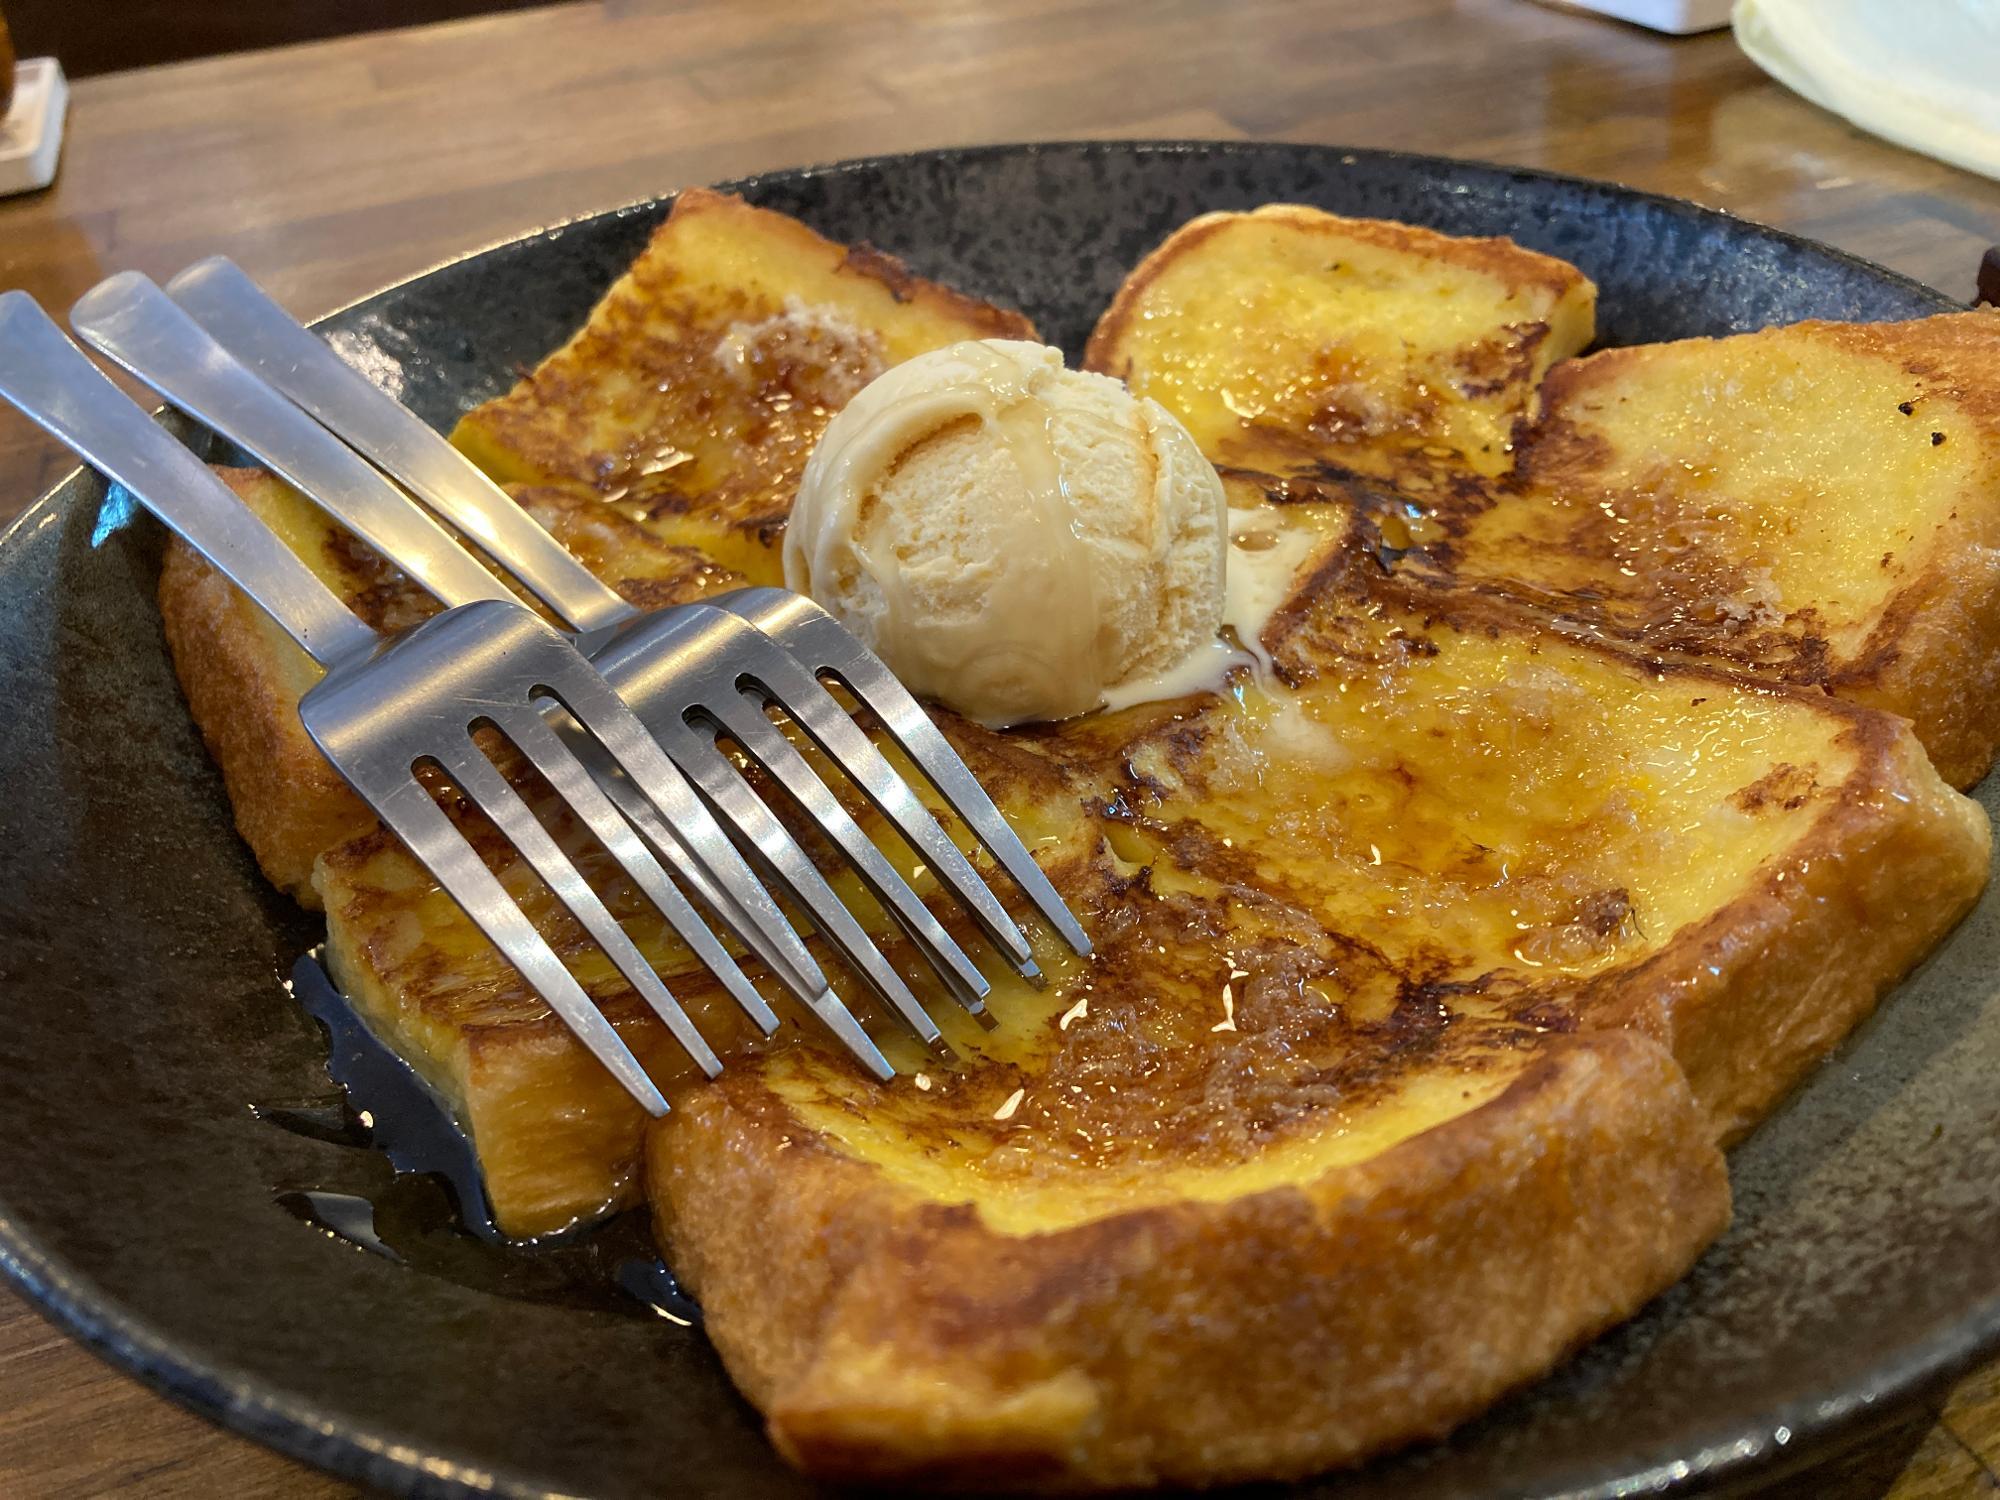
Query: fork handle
point(132, 322)
point(56, 386)
point(243, 318)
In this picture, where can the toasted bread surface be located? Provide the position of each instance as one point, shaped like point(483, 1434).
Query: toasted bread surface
point(1448, 810)
point(1817, 504)
point(892, 1334)
point(701, 382)
point(1325, 952)
point(1289, 333)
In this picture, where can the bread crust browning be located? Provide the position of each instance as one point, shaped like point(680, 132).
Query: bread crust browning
point(1893, 865)
point(1493, 255)
point(890, 1338)
point(1931, 652)
point(1934, 659)
point(1752, 999)
point(646, 404)
point(243, 679)
point(1321, 378)
point(907, 1340)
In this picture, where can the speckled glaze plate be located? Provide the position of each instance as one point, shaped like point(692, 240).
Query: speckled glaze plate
point(141, 957)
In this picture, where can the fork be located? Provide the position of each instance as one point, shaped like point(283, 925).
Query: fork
point(385, 708)
point(683, 670)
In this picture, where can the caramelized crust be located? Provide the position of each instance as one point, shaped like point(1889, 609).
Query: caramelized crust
point(1818, 503)
point(704, 377)
point(1343, 933)
point(892, 1336)
point(1288, 335)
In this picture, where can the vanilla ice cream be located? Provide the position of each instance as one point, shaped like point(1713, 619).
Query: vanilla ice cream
point(1016, 540)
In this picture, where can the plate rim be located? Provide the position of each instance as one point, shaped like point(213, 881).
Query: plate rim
point(1730, 1454)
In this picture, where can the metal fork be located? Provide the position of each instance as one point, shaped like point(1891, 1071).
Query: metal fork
point(384, 709)
point(691, 673)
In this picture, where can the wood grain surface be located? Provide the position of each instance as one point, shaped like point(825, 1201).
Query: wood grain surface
point(330, 169)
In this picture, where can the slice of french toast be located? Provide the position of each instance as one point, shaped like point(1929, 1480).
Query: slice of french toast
point(1364, 1111)
point(686, 407)
point(1818, 504)
point(1290, 336)
point(705, 375)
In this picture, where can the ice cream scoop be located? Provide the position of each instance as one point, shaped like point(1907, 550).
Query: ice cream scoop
point(1015, 539)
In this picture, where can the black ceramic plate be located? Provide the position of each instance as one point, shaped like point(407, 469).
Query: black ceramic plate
point(142, 1199)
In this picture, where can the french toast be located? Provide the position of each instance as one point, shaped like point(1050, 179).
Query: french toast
point(1288, 335)
point(705, 375)
point(1433, 968)
point(1818, 504)
point(1346, 928)
point(686, 406)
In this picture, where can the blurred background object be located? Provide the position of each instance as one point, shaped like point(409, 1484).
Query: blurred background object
point(34, 101)
point(1674, 17)
point(100, 36)
point(1924, 75)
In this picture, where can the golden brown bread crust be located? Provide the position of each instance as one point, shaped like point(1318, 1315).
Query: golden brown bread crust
point(1753, 998)
point(1611, 517)
point(891, 1335)
point(705, 374)
point(1384, 346)
point(1757, 993)
point(242, 679)
point(1496, 256)
point(892, 1338)
point(1930, 651)
point(1935, 660)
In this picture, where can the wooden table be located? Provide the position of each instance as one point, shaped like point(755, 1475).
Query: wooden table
point(330, 169)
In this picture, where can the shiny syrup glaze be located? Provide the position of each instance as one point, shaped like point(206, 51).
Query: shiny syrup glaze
point(424, 1205)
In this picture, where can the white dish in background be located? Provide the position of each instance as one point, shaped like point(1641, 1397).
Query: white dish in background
point(1675, 17)
point(31, 136)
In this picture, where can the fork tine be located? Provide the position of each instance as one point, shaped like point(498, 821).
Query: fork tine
point(743, 809)
point(480, 780)
point(632, 749)
point(806, 984)
point(440, 848)
point(601, 712)
point(783, 682)
point(823, 645)
point(532, 735)
point(770, 749)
